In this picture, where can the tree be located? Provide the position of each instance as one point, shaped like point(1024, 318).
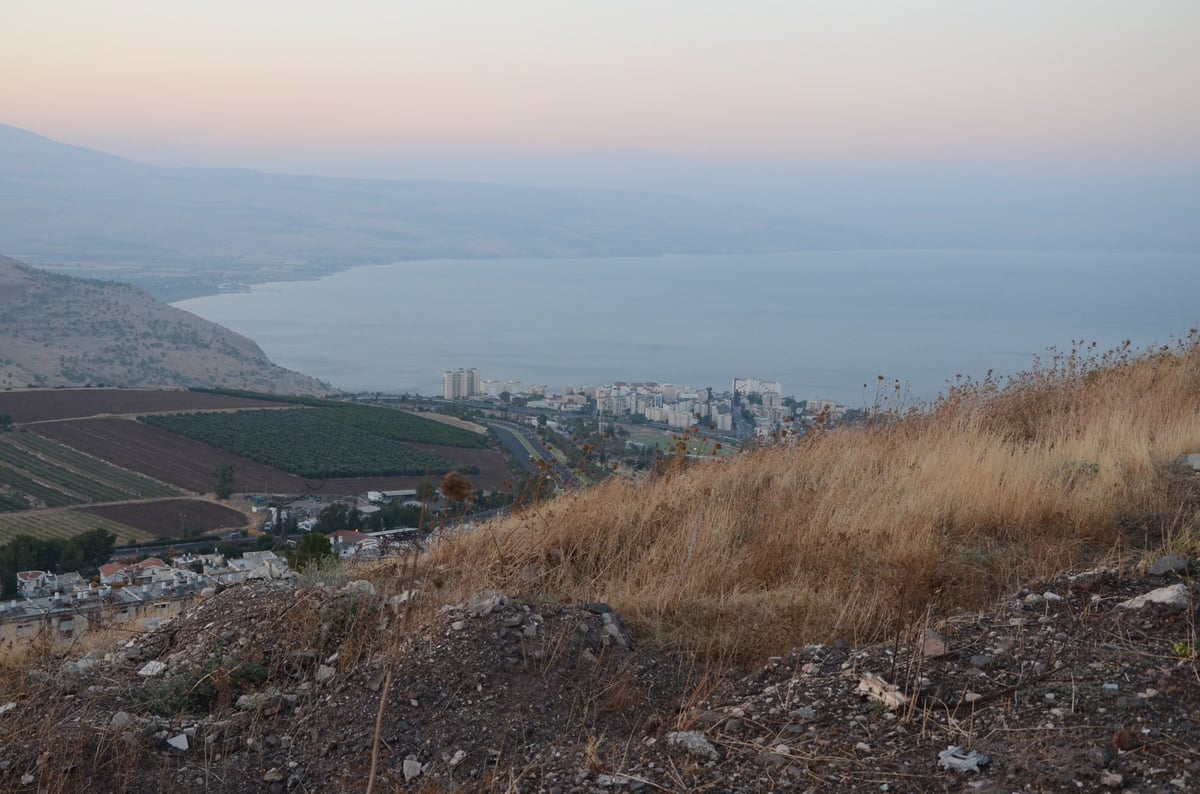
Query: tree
point(542, 420)
point(332, 518)
point(755, 398)
point(790, 402)
point(223, 481)
point(505, 397)
point(312, 548)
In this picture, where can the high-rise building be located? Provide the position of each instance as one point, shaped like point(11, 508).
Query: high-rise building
point(461, 383)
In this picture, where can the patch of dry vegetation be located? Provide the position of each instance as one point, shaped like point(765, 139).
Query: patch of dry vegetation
point(852, 532)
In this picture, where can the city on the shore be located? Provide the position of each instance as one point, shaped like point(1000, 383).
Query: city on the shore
point(749, 408)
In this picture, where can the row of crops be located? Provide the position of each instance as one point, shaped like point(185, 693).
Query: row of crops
point(386, 422)
point(38, 472)
point(64, 524)
point(309, 442)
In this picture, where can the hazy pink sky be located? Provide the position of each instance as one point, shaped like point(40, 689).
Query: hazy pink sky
point(262, 82)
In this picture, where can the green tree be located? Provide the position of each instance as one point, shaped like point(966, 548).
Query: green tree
point(312, 548)
point(332, 518)
point(223, 481)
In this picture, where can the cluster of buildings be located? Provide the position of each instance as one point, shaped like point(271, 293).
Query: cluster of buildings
point(135, 596)
point(751, 406)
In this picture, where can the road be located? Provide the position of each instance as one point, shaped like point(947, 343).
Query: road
point(523, 443)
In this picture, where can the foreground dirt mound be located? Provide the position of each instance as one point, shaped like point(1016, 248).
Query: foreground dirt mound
point(276, 687)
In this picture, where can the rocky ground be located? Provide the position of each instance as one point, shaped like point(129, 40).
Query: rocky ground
point(1065, 686)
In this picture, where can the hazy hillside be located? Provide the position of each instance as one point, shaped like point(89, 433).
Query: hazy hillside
point(182, 231)
point(61, 331)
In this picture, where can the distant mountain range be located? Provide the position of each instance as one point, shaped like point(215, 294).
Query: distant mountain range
point(56, 330)
point(180, 232)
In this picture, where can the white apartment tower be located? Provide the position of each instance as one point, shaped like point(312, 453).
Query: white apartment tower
point(461, 383)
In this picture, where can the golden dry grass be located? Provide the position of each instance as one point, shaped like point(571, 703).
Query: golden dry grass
point(854, 532)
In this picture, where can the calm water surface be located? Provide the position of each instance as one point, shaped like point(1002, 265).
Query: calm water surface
point(824, 324)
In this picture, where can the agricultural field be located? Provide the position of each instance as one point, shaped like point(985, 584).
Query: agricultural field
point(175, 519)
point(47, 524)
point(37, 472)
point(189, 464)
point(316, 443)
point(43, 405)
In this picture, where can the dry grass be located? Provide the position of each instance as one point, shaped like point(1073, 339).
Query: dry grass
point(853, 532)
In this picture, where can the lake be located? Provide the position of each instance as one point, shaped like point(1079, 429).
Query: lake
point(823, 323)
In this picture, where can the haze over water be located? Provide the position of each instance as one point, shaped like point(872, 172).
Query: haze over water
point(823, 323)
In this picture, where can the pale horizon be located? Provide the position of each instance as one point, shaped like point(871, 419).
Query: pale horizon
point(306, 88)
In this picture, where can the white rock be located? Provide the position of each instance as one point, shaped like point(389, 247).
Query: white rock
point(121, 719)
point(953, 757)
point(1052, 597)
point(1175, 595)
point(179, 742)
point(694, 743)
point(412, 769)
point(324, 673)
point(26, 779)
point(152, 669)
point(8, 707)
point(458, 757)
point(360, 586)
point(458, 625)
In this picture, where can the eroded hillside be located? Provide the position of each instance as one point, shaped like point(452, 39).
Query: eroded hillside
point(62, 331)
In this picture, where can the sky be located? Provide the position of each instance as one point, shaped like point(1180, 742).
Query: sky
point(361, 87)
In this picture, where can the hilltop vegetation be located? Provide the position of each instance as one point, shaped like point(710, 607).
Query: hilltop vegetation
point(853, 532)
point(61, 331)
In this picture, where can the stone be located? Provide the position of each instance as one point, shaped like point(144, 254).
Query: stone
point(484, 604)
point(1099, 756)
point(1112, 780)
point(694, 743)
point(412, 769)
point(954, 757)
point(274, 775)
point(981, 660)
point(179, 742)
point(121, 719)
point(27, 779)
point(1171, 563)
point(152, 669)
point(458, 757)
point(1175, 596)
point(325, 673)
point(933, 644)
point(458, 625)
point(361, 586)
point(1051, 597)
point(1192, 461)
point(256, 700)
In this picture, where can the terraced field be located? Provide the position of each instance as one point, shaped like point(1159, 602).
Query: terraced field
point(36, 471)
point(45, 524)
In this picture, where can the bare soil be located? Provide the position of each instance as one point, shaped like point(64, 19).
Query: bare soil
point(42, 405)
point(172, 518)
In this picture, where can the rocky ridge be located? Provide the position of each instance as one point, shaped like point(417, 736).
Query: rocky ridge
point(1069, 684)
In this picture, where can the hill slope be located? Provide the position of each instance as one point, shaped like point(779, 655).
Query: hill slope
point(183, 231)
point(61, 331)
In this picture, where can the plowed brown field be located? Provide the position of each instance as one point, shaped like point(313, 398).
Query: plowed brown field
point(40, 405)
point(189, 464)
point(172, 518)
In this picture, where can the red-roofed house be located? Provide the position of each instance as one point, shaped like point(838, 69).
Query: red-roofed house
point(114, 573)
